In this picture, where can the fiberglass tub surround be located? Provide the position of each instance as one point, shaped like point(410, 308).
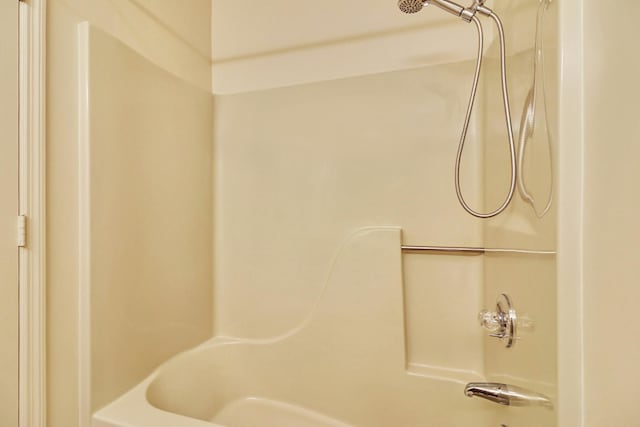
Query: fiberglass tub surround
point(346, 361)
point(348, 358)
point(320, 318)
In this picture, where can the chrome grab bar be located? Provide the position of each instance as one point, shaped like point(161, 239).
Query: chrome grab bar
point(444, 249)
point(465, 250)
point(508, 395)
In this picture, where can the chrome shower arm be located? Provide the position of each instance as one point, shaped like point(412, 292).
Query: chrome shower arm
point(466, 13)
point(449, 6)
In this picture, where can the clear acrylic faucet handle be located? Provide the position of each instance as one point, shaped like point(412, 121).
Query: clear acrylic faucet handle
point(489, 320)
point(501, 323)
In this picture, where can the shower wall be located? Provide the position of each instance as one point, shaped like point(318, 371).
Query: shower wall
point(177, 40)
point(145, 215)
point(298, 169)
point(355, 130)
point(529, 279)
point(333, 39)
point(303, 161)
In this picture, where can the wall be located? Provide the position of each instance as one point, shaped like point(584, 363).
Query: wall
point(145, 213)
point(172, 36)
point(611, 291)
point(607, 212)
point(522, 225)
point(334, 39)
point(300, 168)
point(313, 141)
point(8, 212)
point(279, 143)
point(528, 278)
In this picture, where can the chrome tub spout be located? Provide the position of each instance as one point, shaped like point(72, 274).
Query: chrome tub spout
point(508, 395)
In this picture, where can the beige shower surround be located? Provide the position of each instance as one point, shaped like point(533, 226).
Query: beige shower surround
point(609, 34)
point(145, 215)
point(346, 361)
point(261, 169)
point(167, 33)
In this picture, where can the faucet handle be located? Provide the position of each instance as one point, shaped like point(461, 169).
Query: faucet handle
point(502, 323)
point(490, 320)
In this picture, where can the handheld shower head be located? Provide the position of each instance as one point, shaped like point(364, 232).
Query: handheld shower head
point(410, 6)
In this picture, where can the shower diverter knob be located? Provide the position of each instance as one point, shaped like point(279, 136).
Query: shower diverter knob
point(502, 322)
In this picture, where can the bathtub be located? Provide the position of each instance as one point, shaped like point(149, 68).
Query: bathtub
point(344, 365)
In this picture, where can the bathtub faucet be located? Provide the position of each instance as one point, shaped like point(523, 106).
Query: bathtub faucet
point(508, 395)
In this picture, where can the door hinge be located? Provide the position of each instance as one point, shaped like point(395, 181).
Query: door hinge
point(22, 231)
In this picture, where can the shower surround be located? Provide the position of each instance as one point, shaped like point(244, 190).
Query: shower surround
point(318, 318)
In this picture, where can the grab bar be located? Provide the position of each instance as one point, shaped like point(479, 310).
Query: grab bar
point(445, 249)
point(463, 250)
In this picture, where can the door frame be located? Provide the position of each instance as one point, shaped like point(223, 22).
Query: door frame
point(32, 203)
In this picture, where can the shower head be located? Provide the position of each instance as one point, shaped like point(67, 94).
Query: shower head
point(410, 6)
point(414, 6)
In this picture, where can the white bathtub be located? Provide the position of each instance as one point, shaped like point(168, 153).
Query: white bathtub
point(344, 365)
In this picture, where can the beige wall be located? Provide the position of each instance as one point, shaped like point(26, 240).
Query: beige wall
point(302, 43)
point(529, 279)
point(300, 168)
point(8, 213)
point(267, 167)
point(146, 214)
point(174, 37)
point(611, 233)
point(334, 39)
point(344, 138)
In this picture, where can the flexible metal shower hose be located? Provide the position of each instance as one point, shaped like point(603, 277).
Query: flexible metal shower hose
point(507, 114)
